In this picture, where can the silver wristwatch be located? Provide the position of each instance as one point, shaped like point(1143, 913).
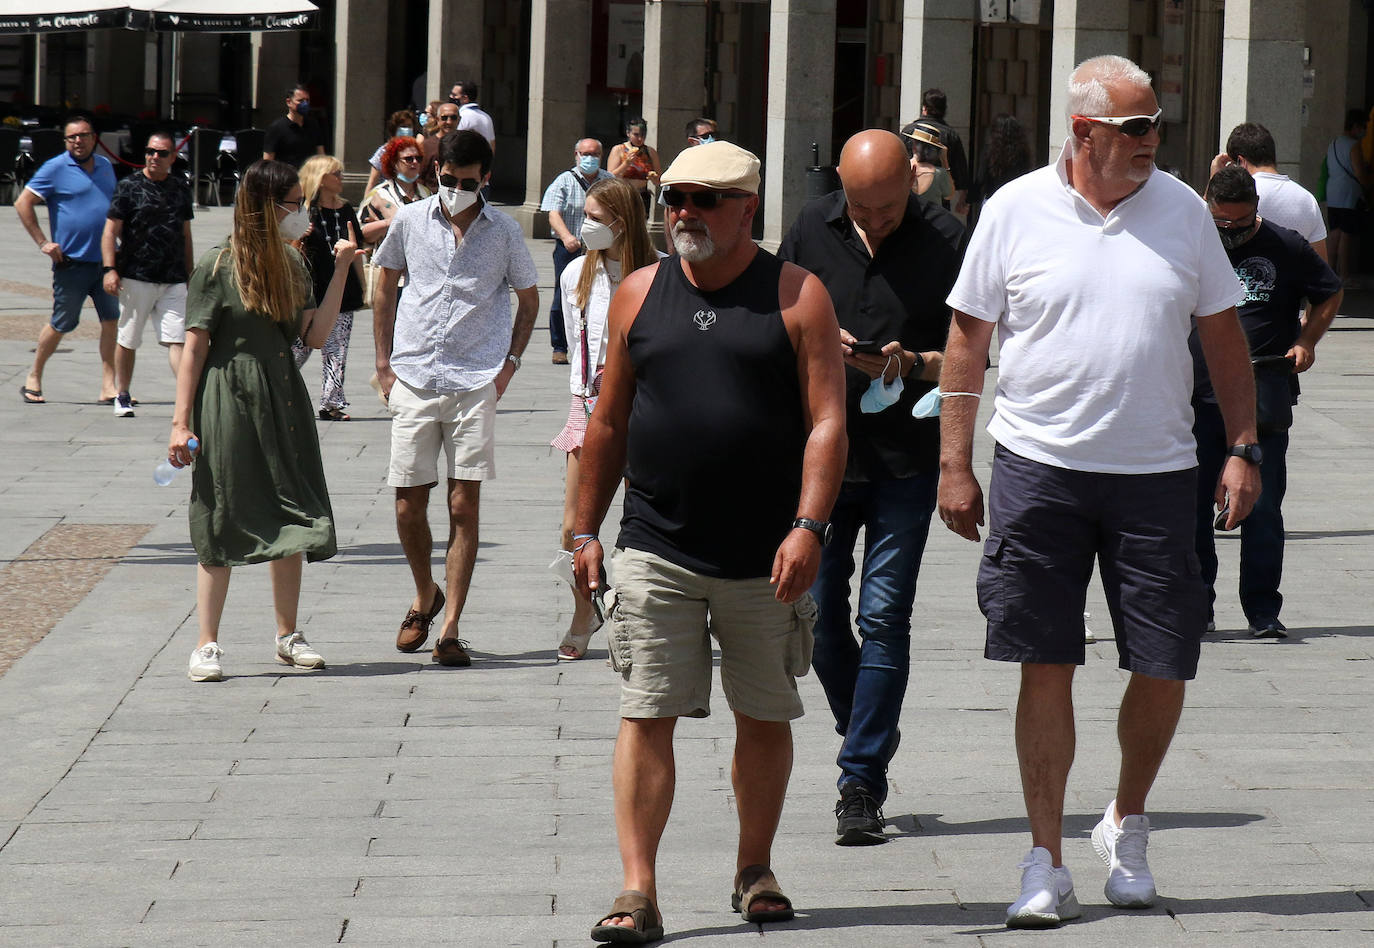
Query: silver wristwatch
point(513, 359)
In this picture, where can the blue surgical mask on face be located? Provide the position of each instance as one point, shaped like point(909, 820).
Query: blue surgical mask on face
point(706, 139)
point(881, 395)
point(303, 107)
point(403, 132)
point(928, 406)
point(424, 119)
point(588, 164)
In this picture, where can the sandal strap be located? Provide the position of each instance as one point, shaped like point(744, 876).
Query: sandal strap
point(758, 882)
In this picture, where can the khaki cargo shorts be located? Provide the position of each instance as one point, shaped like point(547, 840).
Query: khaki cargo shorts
point(660, 631)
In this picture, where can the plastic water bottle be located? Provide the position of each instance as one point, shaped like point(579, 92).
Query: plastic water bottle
point(165, 472)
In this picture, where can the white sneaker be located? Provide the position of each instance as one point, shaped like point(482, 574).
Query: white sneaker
point(205, 664)
point(293, 649)
point(1046, 893)
point(123, 406)
point(1122, 848)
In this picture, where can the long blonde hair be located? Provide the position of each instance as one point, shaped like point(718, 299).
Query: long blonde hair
point(636, 250)
point(313, 172)
point(269, 277)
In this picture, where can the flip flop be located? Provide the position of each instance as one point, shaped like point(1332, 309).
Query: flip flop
point(32, 396)
point(758, 882)
point(634, 905)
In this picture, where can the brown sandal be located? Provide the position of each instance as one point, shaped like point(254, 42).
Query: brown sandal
point(754, 883)
point(415, 626)
point(634, 905)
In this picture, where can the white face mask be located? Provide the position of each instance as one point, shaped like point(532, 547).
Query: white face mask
point(456, 200)
point(881, 395)
point(597, 236)
point(294, 225)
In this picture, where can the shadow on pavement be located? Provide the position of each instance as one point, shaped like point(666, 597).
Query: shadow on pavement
point(991, 915)
point(1075, 825)
point(1294, 634)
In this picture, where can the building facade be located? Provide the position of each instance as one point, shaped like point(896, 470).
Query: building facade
point(779, 76)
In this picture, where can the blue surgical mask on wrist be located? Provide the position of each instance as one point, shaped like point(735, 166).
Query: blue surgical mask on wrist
point(928, 405)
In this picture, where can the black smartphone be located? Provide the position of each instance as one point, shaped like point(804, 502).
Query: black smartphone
point(870, 346)
point(1220, 522)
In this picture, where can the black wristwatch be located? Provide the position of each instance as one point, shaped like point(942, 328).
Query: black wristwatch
point(918, 366)
point(823, 529)
point(107, 269)
point(1249, 452)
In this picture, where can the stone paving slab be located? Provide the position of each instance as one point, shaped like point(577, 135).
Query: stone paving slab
point(385, 800)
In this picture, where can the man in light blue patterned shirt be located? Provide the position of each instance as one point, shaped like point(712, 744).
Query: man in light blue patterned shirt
point(564, 203)
point(445, 354)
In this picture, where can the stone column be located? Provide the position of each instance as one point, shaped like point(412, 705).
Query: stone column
point(1261, 73)
point(455, 45)
point(801, 83)
point(937, 45)
point(560, 61)
point(360, 30)
point(674, 71)
point(1082, 29)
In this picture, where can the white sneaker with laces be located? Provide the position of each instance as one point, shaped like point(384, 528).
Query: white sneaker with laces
point(205, 663)
point(1122, 848)
point(293, 649)
point(123, 406)
point(1046, 893)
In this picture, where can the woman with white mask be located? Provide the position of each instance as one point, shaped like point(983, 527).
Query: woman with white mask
point(616, 236)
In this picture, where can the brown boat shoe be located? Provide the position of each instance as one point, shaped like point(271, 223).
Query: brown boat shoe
point(415, 626)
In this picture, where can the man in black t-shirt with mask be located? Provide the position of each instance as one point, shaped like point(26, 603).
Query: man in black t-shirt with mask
point(1279, 269)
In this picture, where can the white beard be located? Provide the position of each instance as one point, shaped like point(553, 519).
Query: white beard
point(693, 245)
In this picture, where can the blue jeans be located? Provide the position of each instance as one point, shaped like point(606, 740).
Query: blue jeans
point(558, 334)
point(865, 679)
point(1261, 533)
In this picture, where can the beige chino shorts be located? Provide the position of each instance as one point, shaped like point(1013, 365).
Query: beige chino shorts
point(462, 425)
point(660, 632)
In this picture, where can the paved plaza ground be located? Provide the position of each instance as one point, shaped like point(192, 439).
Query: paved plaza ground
point(387, 801)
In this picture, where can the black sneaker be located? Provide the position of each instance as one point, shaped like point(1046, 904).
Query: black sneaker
point(860, 817)
point(1272, 629)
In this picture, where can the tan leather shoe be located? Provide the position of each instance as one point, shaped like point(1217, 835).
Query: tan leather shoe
point(415, 626)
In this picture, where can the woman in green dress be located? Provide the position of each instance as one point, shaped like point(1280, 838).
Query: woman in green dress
point(257, 490)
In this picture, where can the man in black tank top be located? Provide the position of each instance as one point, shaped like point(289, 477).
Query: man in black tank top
point(723, 404)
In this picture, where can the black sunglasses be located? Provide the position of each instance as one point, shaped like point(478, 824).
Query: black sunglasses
point(701, 200)
point(410, 159)
point(160, 152)
point(1136, 126)
point(467, 184)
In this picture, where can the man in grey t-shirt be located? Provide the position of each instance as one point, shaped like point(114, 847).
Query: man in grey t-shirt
point(445, 353)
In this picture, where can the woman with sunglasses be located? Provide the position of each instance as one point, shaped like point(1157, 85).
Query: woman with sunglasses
point(617, 241)
point(635, 161)
point(258, 491)
point(331, 220)
point(401, 160)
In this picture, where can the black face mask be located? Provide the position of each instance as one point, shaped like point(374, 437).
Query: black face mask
point(1233, 237)
point(455, 100)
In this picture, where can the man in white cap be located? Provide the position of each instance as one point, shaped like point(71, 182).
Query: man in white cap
point(722, 368)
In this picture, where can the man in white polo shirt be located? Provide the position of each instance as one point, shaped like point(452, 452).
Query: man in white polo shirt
point(445, 355)
point(1092, 270)
point(1282, 200)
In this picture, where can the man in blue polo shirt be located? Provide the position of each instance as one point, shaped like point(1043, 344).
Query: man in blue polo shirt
point(77, 187)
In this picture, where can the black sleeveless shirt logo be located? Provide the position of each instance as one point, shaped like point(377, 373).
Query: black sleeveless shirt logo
point(716, 433)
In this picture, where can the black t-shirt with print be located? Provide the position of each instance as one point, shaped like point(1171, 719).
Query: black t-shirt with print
point(1279, 270)
point(152, 244)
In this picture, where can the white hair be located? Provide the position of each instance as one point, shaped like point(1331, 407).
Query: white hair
point(1088, 93)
